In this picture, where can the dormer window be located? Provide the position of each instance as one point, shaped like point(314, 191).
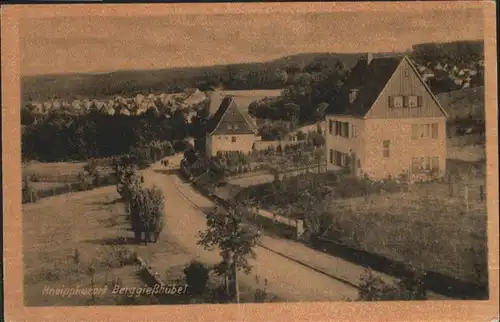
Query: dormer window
point(353, 93)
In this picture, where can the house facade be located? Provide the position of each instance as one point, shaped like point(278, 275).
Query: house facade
point(230, 130)
point(386, 123)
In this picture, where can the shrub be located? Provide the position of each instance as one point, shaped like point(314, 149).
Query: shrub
point(91, 166)
point(301, 136)
point(196, 276)
point(119, 256)
point(375, 289)
point(35, 177)
point(318, 140)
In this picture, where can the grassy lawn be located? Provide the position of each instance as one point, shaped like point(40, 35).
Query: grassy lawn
point(93, 225)
point(53, 168)
point(44, 185)
point(423, 227)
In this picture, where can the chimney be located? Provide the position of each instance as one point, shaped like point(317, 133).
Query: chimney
point(369, 58)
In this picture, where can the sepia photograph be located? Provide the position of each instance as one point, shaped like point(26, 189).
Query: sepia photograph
point(232, 157)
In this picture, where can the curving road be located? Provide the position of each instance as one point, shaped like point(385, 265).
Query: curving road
point(287, 279)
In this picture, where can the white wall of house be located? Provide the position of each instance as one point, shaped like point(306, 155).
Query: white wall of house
point(227, 143)
point(347, 145)
point(406, 139)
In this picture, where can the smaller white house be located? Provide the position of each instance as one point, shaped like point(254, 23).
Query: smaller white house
point(110, 110)
point(124, 111)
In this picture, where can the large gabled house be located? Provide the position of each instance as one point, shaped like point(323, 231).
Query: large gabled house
point(230, 129)
point(386, 123)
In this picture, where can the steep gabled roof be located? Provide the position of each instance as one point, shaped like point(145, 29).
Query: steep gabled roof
point(370, 80)
point(230, 114)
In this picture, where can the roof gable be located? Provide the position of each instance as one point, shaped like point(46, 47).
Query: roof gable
point(372, 80)
point(229, 119)
point(406, 81)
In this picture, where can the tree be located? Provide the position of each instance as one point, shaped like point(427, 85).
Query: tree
point(196, 276)
point(321, 110)
point(146, 210)
point(125, 171)
point(282, 76)
point(235, 241)
point(291, 111)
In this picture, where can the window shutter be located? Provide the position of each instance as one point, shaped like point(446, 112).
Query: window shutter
point(346, 125)
point(391, 102)
point(435, 163)
point(434, 131)
point(405, 101)
point(419, 101)
point(330, 126)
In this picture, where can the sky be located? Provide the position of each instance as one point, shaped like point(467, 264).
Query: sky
point(100, 44)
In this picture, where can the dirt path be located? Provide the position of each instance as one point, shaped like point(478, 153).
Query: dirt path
point(286, 279)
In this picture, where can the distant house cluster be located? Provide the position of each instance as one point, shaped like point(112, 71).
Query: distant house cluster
point(462, 74)
point(119, 105)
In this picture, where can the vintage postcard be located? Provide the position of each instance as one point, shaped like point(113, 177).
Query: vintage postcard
point(250, 162)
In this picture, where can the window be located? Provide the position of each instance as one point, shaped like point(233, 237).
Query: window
point(345, 129)
point(424, 164)
point(386, 144)
point(353, 93)
point(235, 126)
point(396, 101)
point(230, 126)
point(233, 139)
point(354, 131)
point(413, 101)
point(330, 126)
point(423, 131)
point(331, 156)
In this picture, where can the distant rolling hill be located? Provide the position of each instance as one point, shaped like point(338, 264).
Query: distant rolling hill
point(245, 76)
point(102, 85)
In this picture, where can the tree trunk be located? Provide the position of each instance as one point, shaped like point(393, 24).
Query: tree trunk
point(226, 281)
point(235, 281)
